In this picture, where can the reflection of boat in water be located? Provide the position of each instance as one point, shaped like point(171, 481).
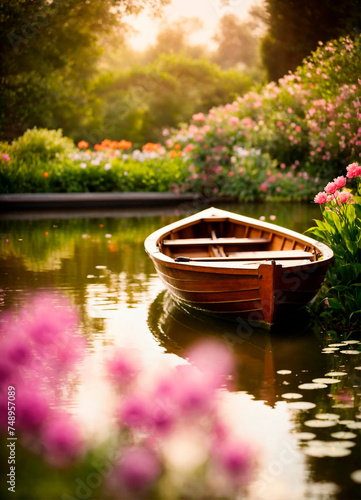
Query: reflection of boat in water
point(176, 329)
point(229, 264)
point(258, 354)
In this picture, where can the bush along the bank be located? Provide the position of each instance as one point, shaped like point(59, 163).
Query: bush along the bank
point(339, 304)
point(112, 166)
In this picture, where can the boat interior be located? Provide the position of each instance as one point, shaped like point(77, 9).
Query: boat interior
point(223, 240)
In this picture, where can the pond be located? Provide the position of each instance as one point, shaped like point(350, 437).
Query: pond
point(298, 394)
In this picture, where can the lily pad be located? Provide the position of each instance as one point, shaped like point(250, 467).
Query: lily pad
point(320, 423)
point(311, 386)
point(326, 380)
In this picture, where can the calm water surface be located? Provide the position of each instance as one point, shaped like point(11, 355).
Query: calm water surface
point(98, 261)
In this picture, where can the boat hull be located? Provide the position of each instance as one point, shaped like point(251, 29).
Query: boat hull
point(231, 265)
point(266, 294)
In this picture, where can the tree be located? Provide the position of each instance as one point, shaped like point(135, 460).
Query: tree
point(295, 28)
point(236, 43)
point(174, 39)
point(47, 55)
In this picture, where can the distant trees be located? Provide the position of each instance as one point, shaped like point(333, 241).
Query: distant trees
point(294, 29)
point(237, 43)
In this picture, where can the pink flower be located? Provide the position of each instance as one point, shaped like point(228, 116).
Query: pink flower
point(272, 217)
point(236, 460)
point(62, 440)
point(5, 157)
point(262, 217)
point(263, 187)
point(233, 120)
point(230, 174)
point(134, 412)
point(320, 198)
point(198, 117)
point(138, 469)
point(32, 410)
point(331, 188)
point(353, 170)
point(340, 181)
point(344, 196)
point(122, 368)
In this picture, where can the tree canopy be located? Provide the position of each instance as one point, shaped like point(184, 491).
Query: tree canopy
point(295, 28)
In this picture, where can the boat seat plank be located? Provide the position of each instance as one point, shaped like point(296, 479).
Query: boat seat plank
point(272, 254)
point(216, 241)
point(253, 256)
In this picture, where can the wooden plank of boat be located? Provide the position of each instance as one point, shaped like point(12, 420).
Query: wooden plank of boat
point(227, 263)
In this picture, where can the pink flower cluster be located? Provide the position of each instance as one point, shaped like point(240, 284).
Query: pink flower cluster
point(183, 401)
point(39, 349)
point(331, 192)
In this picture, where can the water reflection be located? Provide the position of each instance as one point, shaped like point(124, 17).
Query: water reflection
point(100, 264)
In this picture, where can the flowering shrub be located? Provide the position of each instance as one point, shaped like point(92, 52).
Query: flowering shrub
point(310, 121)
point(341, 230)
point(169, 430)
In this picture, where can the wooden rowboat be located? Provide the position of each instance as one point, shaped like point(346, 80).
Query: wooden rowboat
point(232, 265)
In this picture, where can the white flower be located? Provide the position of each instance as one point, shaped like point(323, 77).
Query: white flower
point(107, 166)
point(83, 165)
point(96, 162)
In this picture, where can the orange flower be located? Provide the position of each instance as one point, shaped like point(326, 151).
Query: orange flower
point(106, 143)
point(114, 145)
point(125, 144)
point(83, 145)
point(46, 175)
point(99, 147)
point(173, 153)
point(177, 146)
point(150, 146)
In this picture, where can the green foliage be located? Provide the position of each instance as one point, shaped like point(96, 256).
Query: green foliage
point(295, 28)
point(341, 231)
point(138, 103)
point(48, 52)
point(41, 145)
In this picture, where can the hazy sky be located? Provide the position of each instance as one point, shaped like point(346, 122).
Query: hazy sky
point(209, 11)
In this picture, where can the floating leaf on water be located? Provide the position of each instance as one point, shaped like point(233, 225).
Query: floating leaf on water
point(327, 416)
point(336, 345)
point(335, 374)
point(100, 267)
point(325, 450)
point(90, 276)
point(357, 367)
point(284, 372)
point(326, 380)
point(305, 436)
point(301, 405)
point(327, 350)
point(343, 435)
point(285, 382)
point(350, 351)
point(354, 425)
point(320, 423)
point(356, 476)
point(345, 422)
point(351, 342)
point(345, 444)
point(292, 395)
point(342, 406)
point(312, 386)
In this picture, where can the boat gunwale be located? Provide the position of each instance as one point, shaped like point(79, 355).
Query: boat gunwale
point(153, 240)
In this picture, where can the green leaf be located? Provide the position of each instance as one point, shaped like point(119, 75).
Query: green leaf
point(334, 303)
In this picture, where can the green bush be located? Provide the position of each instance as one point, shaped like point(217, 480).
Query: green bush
point(41, 145)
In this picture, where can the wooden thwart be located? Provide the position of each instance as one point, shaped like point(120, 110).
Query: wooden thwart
point(250, 256)
point(215, 241)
